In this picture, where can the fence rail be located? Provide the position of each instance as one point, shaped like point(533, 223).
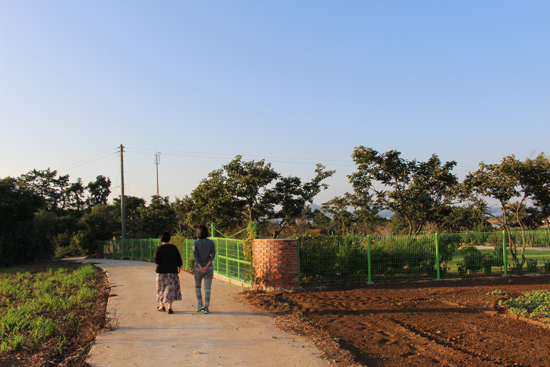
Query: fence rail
point(229, 261)
point(338, 260)
point(324, 260)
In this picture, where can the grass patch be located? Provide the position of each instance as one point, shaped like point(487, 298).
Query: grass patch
point(52, 309)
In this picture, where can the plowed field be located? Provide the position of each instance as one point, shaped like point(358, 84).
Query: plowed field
point(426, 323)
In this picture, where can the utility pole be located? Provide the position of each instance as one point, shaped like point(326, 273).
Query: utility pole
point(122, 206)
point(157, 162)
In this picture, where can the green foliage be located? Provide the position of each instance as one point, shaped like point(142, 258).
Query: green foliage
point(512, 183)
point(243, 192)
point(36, 307)
point(344, 259)
point(534, 305)
point(472, 258)
point(420, 191)
point(289, 198)
point(532, 266)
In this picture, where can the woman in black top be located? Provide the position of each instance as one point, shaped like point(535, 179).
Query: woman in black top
point(168, 260)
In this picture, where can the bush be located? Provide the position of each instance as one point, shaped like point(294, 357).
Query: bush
point(532, 266)
point(472, 259)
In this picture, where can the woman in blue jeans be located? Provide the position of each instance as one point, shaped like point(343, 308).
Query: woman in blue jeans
point(204, 252)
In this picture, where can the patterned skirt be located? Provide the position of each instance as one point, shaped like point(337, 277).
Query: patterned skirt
point(168, 287)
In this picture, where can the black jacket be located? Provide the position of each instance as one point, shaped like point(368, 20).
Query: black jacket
point(168, 259)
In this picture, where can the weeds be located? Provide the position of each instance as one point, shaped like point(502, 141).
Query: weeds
point(534, 305)
point(40, 306)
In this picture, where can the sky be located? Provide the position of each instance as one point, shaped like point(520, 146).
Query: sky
point(293, 82)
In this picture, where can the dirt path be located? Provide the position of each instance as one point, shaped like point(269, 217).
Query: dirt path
point(428, 323)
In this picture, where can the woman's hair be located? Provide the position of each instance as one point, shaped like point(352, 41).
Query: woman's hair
point(202, 232)
point(165, 237)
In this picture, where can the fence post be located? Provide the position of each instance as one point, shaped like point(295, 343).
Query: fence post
point(238, 262)
point(186, 259)
point(213, 229)
point(437, 256)
point(504, 253)
point(369, 267)
point(226, 259)
point(150, 248)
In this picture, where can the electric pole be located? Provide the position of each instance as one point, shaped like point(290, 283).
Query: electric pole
point(122, 206)
point(157, 162)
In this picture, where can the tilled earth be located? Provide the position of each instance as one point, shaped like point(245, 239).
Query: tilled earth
point(425, 323)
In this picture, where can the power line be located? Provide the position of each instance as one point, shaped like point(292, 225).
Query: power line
point(88, 160)
point(178, 153)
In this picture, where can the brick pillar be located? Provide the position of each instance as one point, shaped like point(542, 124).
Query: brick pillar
point(275, 264)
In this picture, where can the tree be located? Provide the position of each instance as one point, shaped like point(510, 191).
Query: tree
point(101, 223)
point(17, 207)
point(73, 197)
point(419, 191)
point(247, 182)
point(240, 193)
point(99, 191)
point(322, 221)
point(234, 193)
point(46, 185)
point(131, 207)
point(512, 183)
point(153, 219)
point(212, 202)
point(536, 177)
point(339, 209)
point(465, 218)
point(289, 198)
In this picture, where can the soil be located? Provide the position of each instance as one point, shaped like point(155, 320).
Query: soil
point(79, 340)
point(424, 323)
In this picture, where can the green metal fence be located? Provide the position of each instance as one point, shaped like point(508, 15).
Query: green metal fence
point(339, 260)
point(229, 261)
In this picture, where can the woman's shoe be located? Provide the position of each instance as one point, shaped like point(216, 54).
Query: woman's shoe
point(162, 309)
point(206, 311)
point(200, 308)
point(170, 311)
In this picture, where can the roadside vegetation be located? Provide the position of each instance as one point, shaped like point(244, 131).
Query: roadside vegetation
point(45, 215)
point(50, 312)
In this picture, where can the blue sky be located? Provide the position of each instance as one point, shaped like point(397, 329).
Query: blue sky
point(293, 82)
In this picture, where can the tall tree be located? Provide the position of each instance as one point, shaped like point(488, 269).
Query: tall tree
point(17, 207)
point(536, 178)
point(131, 207)
point(419, 191)
point(47, 185)
point(99, 191)
point(289, 198)
point(248, 182)
point(512, 183)
point(155, 218)
point(234, 193)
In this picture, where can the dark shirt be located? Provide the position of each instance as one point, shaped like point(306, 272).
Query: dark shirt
point(168, 259)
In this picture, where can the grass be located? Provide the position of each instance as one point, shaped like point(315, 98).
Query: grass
point(52, 308)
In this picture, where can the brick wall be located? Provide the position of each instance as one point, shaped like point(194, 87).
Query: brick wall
point(275, 264)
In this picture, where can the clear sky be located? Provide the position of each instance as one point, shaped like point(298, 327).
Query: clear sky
point(293, 82)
